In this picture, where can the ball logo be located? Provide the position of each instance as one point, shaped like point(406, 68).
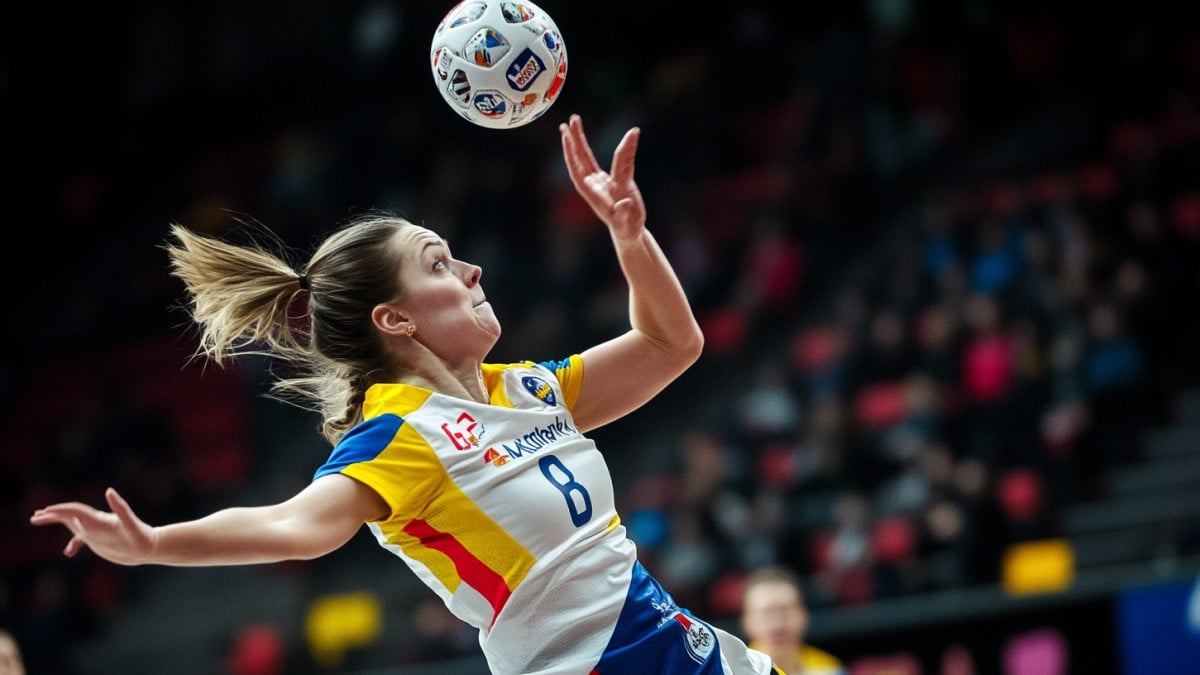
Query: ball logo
point(470, 13)
point(515, 12)
point(540, 390)
point(534, 27)
point(524, 70)
point(559, 76)
point(441, 63)
point(486, 48)
point(490, 104)
point(459, 88)
point(552, 41)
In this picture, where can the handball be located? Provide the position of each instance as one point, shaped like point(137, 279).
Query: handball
point(498, 64)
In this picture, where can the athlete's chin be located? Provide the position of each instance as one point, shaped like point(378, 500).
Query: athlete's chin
point(494, 331)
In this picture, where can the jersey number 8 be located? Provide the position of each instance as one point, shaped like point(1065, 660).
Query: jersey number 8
point(555, 472)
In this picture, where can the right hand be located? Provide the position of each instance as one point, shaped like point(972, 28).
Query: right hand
point(614, 196)
point(118, 536)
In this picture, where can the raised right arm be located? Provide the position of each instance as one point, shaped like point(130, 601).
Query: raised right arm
point(319, 519)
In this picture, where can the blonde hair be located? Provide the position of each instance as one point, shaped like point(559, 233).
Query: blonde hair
point(249, 299)
point(773, 574)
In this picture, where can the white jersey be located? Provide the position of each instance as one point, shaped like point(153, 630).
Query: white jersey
point(507, 512)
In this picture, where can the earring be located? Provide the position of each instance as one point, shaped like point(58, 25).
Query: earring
point(411, 329)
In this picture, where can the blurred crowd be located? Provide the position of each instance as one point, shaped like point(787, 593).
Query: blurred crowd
point(1001, 361)
point(950, 254)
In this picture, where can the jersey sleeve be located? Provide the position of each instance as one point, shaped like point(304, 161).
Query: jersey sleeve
point(569, 373)
point(380, 454)
point(363, 443)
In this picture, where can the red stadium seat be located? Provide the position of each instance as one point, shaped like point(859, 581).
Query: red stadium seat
point(894, 540)
point(725, 329)
point(257, 650)
point(777, 465)
point(1185, 215)
point(725, 594)
point(813, 349)
point(880, 405)
point(1020, 493)
point(821, 550)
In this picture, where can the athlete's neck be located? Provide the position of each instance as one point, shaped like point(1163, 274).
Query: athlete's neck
point(467, 385)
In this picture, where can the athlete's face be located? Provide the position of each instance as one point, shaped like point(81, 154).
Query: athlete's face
point(442, 298)
point(773, 615)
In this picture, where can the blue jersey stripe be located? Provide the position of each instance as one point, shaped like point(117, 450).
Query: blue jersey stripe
point(553, 366)
point(362, 443)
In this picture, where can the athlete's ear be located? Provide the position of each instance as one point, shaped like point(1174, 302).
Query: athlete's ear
point(390, 320)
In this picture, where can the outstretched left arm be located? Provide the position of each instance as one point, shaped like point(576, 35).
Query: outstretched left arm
point(623, 373)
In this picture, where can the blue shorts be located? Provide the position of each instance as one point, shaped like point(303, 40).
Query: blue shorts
point(654, 635)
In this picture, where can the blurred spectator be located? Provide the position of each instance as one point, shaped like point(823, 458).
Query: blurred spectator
point(691, 560)
point(1113, 370)
point(988, 370)
point(768, 411)
point(1114, 360)
point(981, 544)
point(775, 621)
point(940, 249)
point(995, 264)
point(704, 457)
point(820, 361)
point(843, 555)
point(439, 635)
point(1037, 291)
point(50, 616)
point(938, 339)
point(646, 517)
point(773, 270)
point(884, 353)
point(944, 539)
point(11, 662)
point(1031, 393)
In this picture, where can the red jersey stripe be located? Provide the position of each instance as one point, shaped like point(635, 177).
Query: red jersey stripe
point(470, 569)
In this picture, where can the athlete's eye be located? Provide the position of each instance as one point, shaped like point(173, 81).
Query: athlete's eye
point(440, 265)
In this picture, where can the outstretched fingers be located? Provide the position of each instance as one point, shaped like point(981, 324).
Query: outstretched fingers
point(70, 515)
point(121, 508)
point(624, 155)
point(613, 195)
point(66, 513)
point(74, 546)
point(576, 155)
point(569, 156)
point(119, 536)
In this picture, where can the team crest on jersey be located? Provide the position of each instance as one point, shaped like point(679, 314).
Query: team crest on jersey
point(464, 432)
point(699, 638)
point(540, 389)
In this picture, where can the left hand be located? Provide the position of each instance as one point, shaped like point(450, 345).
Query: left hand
point(118, 536)
point(613, 195)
